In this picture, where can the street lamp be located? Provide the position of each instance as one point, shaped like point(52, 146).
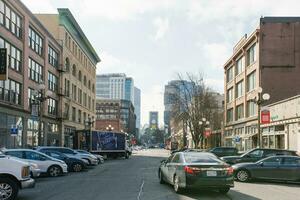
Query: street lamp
point(110, 128)
point(88, 124)
point(204, 123)
point(259, 100)
point(40, 97)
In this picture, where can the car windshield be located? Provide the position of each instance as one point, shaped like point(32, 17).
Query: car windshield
point(247, 152)
point(197, 158)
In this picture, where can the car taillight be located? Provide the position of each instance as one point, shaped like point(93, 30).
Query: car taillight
point(229, 170)
point(191, 170)
point(25, 172)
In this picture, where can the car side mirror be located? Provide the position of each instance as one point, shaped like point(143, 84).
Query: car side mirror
point(261, 163)
point(163, 161)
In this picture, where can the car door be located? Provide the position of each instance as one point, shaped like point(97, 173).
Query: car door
point(267, 168)
point(37, 158)
point(164, 168)
point(290, 167)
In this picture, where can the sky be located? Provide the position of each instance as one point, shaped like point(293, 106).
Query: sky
point(154, 40)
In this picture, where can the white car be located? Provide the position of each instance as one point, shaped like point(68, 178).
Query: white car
point(14, 175)
point(99, 157)
point(46, 164)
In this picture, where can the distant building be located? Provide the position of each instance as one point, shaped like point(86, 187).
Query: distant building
point(137, 106)
point(117, 113)
point(266, 59)
point(153, 120)
point(172, 90)
point(114, 86)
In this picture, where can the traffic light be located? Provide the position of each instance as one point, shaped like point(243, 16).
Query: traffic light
point(3, 64)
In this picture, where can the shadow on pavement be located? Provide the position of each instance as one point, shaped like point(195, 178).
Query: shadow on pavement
point(279, 183)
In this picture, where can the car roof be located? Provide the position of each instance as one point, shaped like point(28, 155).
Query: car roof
point(195, 153)
point(274, 149)
point(19, 150)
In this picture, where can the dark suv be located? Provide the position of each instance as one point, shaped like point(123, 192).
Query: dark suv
point(254, 155)
point(224, 151)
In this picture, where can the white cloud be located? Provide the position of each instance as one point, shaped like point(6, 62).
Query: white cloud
point(216, 84)
point(38, 6)
point(162, 27)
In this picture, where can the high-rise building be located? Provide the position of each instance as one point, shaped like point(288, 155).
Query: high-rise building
point(137, 106)
point(78, 75)
point(173, 90)
point(263, 62)
point(115, 86)
point(33, 61)
point(153, 119)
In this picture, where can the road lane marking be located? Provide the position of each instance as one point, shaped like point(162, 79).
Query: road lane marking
point(141, 190)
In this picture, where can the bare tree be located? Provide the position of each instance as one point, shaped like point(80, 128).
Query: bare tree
point(193, 101)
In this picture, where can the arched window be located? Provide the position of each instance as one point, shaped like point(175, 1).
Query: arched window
point(74, 70)
point(89, 84)
point(93, 88)
point(84, 80)
point(67, 64)
point(79, 75)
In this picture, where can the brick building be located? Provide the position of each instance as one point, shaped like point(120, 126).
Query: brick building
point(269, 58)
point(33, 60)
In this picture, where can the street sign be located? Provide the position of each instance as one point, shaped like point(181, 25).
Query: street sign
point(14, 131)
point(265, 117)
point(3, 64)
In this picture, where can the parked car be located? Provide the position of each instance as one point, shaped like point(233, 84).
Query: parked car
point(186, 150)
point(91, 159)
point(196, 170)
point(257, 154)
point(74, 164)
point(47, 165)
point(99, 157)
point(285, 168)
point(224, 151)
point(14, 175)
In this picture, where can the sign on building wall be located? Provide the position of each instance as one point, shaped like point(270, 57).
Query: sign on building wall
point(265, 117)
point(3, 64)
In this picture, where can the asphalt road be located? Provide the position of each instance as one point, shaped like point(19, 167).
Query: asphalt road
point(136, 179)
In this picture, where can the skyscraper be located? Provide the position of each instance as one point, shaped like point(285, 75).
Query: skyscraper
point(114, 86)
point(137, 106)
point(153, 119)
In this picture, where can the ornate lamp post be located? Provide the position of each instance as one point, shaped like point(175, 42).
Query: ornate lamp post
point(203, 123)
point(110, 128)
point(89, 124)
point(259, 100)
point(40, 97)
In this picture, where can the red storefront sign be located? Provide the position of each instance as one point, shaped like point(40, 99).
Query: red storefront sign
point(265, 117)
point(207, 132)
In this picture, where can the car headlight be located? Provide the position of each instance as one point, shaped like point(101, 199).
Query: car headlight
point(25, 172)
point(33, 166)
point(85, 161)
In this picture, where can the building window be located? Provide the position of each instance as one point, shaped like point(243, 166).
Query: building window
point(229, 95)
point(240, 111)
point(35, 71)
point(251, 55)
point(66, 111)
point(93, 105)
point(251, 108)
point(239, 89)
point(52, 82)
point(73, 114)
point(229, 115)
point(67, 64)
point(79, 116)
point(35, 41)
point(89, 84)
point(251, 80)
point(79, 76)
point(84, 80)
point(52, 57)
point(74, 70)
point(13, 55)
point(10, 91)
point(52, 106)
point(84, 116)
point(239, 65)
point(84, 100)
point(89, 99)
point(74, 92)
point(10, 19)
point(229, 74)
point(93, 88)
point(79, 96)
point(67, 87)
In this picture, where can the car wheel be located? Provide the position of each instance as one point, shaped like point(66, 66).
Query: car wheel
point(77, 167)
point(242, 175)
point(54, 171)
point(177, 189)
point(224, 190)
point(8, 189)
point(161, 177)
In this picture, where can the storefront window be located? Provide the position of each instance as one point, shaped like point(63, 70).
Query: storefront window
point(271, 141)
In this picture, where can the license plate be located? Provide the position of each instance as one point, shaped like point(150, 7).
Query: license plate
point(211, 173)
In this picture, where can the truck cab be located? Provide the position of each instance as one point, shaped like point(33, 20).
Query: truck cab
point(14, 175)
